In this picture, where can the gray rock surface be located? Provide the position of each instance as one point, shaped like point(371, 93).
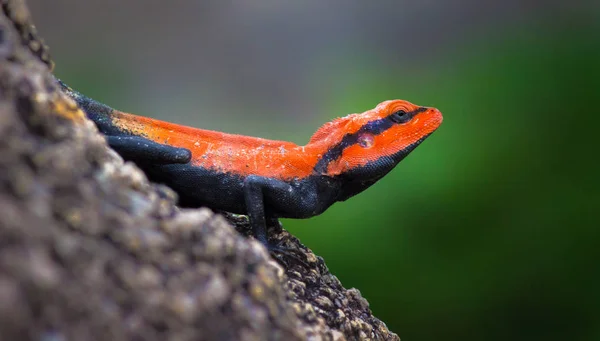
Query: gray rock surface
point(90, 250)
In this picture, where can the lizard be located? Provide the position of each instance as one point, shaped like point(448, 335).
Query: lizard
point(266, 179)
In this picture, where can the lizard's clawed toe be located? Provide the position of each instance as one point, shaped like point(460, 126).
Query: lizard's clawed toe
point(280, 253)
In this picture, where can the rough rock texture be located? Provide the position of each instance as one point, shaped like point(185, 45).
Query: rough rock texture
point(90, 250)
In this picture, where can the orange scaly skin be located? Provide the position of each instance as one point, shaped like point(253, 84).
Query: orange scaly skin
point(245, 155)
point(267, 179)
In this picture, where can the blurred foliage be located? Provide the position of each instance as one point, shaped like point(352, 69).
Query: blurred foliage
point(488, 230)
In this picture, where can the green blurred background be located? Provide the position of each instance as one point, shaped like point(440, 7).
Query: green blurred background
point(487, 231)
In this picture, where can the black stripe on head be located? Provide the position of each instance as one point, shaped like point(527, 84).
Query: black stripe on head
point(375, 127)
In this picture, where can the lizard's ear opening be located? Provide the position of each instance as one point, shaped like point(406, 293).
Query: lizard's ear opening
point(366, 140)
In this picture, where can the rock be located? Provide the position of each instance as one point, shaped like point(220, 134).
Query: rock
point(90, 250)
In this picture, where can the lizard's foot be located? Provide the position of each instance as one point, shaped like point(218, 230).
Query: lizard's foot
point(280, 253)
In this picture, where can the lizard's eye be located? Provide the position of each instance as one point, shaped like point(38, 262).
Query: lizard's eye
point(366, 140)
point(400, 116)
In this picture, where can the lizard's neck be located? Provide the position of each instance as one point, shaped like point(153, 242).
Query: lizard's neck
point(321, 153)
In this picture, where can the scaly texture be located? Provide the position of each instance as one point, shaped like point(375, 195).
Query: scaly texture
point(92, 250)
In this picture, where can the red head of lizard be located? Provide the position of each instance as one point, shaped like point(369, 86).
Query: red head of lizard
point(386, 133)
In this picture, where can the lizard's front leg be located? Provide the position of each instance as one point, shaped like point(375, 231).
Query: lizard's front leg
point(261, 193)
point(267, 194)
